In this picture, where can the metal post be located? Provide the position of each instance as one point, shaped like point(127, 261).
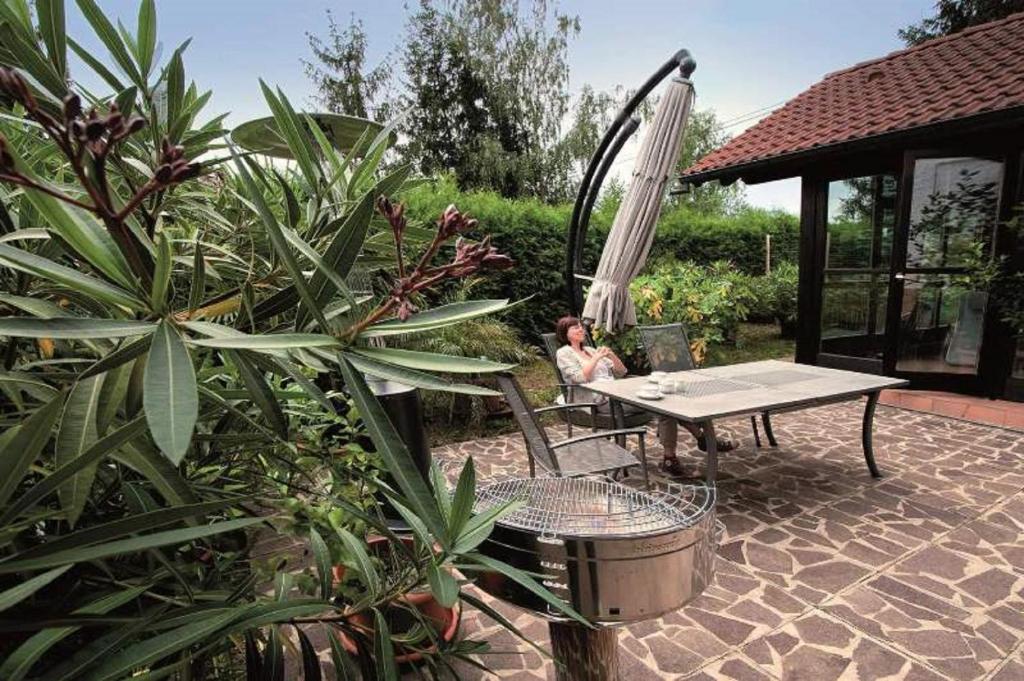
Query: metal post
point(584, 654)
point(866, 432)
point(767, 253)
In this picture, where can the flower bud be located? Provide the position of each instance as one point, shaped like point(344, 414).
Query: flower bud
point(94, 130)
point(135, 124)
point(72, 106)
point(6, 159)
point(405, 310)
point(163, 173)
point(185, 171)
point(115, 122)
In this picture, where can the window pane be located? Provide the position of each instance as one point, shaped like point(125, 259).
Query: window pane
point(941, 325)
point(861, 216)
point(860, 225)
point(953, 212)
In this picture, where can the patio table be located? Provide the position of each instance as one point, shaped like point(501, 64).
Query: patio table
point(750, 388)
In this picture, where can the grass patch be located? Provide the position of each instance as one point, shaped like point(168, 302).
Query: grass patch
point(754, 342)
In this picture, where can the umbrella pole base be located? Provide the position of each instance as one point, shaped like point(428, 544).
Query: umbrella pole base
point(583, 654)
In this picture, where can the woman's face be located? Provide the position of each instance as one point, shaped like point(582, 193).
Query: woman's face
point(575, 334)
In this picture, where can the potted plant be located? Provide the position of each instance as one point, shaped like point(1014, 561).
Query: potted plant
point(416, 619)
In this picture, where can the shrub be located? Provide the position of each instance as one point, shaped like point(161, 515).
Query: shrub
point(781, 286)
point(739, 238)
point(534, 234)
point(710, 302)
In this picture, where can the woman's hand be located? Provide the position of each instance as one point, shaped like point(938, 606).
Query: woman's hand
point(617, 366)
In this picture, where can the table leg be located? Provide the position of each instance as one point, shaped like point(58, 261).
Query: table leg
point(618, 420)
point(753, 427)
point(866, 432)
point(766, 419)
point(711, 443)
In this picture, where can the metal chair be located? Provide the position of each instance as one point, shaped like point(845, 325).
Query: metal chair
point(668, 349)
point(578, 416)
point(575, 456)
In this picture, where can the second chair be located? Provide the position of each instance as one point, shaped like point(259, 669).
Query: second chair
point(668, 349)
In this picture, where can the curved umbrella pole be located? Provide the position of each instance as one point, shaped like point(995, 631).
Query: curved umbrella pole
point(611, 144)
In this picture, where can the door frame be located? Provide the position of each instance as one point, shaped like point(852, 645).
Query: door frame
point(992, 365)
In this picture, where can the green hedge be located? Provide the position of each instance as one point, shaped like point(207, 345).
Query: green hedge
point(534, 234)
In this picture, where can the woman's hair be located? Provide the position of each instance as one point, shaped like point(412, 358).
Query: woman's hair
point(562, 328)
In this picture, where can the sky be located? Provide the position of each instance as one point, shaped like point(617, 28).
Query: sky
point(752, 55)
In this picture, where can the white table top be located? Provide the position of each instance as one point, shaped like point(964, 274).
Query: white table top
point(750, 387)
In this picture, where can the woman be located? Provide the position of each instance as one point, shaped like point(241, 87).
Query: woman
point(581, 364)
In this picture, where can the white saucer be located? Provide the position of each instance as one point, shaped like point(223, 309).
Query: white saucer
point(643, 395)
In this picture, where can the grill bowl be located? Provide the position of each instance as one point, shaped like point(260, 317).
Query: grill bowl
point(614, 553)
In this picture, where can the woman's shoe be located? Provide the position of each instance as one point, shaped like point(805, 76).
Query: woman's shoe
point(671, 466)
point(722, 444)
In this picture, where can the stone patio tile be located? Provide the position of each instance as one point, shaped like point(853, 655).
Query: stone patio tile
point(817, 647)
point(897, 506)
point(1012, 669)
point(732, 667)
point(997, 545)
point(820, 553)
point(1010, 514)
point(944, 605)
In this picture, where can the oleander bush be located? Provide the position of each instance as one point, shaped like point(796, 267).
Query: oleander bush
point(169, 327)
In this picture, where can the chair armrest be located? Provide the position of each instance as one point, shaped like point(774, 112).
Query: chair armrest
point(603, 433)
point(571, 405)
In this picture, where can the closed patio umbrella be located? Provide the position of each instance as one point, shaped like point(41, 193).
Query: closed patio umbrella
point(609, 305)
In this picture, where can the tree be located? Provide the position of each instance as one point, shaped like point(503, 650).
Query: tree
point(484, 85)
point(703, 135)
point(507, 74)
point(953, 16)
point(342, 80)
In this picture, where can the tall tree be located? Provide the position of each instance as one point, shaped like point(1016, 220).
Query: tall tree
point(484, 84)
point(953, 16)
point(704, 134)
point(344, 83)
point(509, 73)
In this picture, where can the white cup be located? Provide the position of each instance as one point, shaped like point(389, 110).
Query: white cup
point(667, 386)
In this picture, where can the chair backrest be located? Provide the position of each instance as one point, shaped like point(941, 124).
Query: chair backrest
point(668, 348)
point(551, 346)
point(538, 447)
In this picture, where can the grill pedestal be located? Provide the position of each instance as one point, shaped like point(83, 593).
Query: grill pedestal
point(583, 654)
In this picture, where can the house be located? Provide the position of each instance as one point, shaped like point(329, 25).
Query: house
point(910, 168)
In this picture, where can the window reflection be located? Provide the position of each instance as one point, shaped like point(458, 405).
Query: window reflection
point(861, 221)
point(953, 217)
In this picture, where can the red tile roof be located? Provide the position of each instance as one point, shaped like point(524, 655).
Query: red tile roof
point(976, 71)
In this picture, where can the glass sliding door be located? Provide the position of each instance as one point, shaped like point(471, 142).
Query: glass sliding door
point(941, 297)
point(860, 223)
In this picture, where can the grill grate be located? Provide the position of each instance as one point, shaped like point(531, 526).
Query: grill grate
point(594, 507)
point(777, 377)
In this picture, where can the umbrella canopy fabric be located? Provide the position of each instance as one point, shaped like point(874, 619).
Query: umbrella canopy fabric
point(609, 305)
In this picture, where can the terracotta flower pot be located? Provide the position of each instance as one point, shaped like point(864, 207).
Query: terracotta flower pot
point(445, 621)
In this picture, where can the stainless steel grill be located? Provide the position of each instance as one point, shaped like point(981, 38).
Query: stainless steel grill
point(616, 554)
point(595, 507)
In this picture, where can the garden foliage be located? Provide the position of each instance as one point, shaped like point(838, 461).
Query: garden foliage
point(165, 327)
point(534, 235)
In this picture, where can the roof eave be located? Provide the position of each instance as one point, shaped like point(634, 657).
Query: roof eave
point(791, 164)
